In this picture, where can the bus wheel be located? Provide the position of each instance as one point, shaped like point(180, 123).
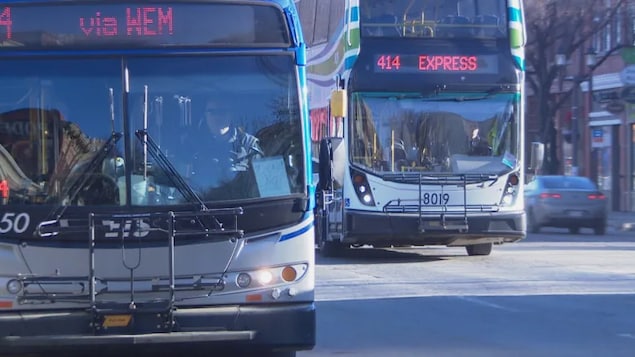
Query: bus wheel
point(272, 353)
point(534, 227)
point(331, 249)
point(479, 249)
point(281, 354)
point(600, 229)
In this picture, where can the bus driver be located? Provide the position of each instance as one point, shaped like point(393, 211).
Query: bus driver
point(225, 149)
point(227, 138)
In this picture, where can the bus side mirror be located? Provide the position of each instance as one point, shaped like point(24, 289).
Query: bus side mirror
point(338, 147)
point(332, 163)
point(338, 103)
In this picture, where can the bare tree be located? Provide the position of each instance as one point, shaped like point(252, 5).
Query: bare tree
point(564, 27)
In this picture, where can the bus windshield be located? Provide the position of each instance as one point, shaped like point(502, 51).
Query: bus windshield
point(434, 18)
point(138, 130)
point(452, 133)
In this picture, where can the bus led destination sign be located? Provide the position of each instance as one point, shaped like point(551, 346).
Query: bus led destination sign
point(128, 21)
point(398, 63)
point(143, 24)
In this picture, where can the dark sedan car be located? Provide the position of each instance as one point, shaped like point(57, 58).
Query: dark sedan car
point(570, 202)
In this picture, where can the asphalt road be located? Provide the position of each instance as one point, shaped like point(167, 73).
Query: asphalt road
point(553, 294)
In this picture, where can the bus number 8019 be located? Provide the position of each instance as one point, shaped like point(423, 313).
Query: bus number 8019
point(435, 198)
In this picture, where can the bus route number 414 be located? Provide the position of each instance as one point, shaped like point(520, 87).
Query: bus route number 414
point(388, 62)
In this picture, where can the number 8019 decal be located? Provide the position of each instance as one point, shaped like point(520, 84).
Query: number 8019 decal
point(14, 222)
point(435, 198)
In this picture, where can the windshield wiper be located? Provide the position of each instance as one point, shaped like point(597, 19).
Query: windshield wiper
point(468, 97)
point(179, 182)
point(76, 187)
point(173, 175)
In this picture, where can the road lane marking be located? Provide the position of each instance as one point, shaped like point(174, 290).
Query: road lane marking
point(627, 335)
point(482, 302)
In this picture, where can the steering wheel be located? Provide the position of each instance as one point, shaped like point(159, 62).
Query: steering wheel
point(100, 189)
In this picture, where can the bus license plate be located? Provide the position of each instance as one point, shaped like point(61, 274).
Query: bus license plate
point(116, 320)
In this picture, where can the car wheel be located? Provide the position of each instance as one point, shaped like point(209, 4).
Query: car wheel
point(574, 230)
point(479, 249)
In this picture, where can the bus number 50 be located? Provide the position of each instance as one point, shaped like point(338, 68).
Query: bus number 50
point(16, 223)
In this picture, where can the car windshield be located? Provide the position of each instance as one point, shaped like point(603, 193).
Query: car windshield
point(448, 133)
point(60, 122)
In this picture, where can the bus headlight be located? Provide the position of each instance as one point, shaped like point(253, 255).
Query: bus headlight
point(511, 190)
point(243, 280)
point(265, 277)
point(362, 188)
point(271, 276)
point(507, 200)
point(14, 286)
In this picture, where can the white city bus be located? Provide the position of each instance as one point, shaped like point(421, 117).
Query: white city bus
point(117, 227)
point(417, 115)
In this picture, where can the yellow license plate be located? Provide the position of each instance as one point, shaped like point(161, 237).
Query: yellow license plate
point(116, 320)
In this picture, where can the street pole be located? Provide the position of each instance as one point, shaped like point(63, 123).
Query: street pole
point(590, 59)
point(589, 111)
point(561, 63)
point(574, 131)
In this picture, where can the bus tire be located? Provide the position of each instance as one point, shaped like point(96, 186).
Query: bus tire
point(324, 166)
point(331, 249)
point(600, 229)
point(534, 227)
point(271, 353)
point(479, 249)
point(280, 354)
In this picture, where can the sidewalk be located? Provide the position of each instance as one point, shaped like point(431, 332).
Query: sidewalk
point(622, 221)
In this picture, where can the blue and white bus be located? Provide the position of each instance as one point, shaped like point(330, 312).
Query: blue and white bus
point(117, 227)
point(417, 115)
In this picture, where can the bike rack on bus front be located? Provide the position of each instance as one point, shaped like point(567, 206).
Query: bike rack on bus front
point(155, 314)
point(451, 217)
point(151, 314)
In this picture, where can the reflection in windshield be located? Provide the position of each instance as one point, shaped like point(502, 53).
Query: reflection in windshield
point(434, 18)
point(58, 116)
point(453, 133)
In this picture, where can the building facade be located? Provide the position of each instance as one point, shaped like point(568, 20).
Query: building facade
point(603, 105)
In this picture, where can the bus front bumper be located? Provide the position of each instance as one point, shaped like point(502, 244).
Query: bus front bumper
point(259, 326)
point(378, 228)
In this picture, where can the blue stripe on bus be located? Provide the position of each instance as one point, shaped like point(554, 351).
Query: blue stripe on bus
point(514, 15)
point(296, 233)
point(349, 62)
point(520, 62)
point(355, 14)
